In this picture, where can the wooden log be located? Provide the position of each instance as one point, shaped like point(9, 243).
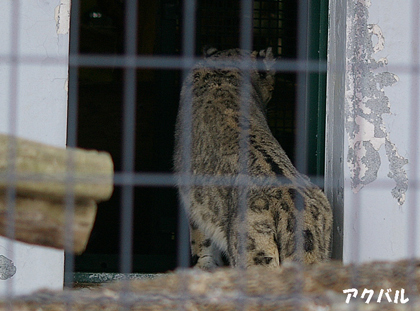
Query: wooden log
point(43, 222)
point(41, 170)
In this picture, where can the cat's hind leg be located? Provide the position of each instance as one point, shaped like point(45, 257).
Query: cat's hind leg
point(205, 253)
point(261, 247)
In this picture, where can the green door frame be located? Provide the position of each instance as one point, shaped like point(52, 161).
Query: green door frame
point(318, 37)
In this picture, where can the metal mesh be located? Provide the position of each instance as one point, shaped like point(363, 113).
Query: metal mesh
point(100, 89)
point(127, 63)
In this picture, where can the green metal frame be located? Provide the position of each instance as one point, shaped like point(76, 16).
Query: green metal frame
point(318, 34)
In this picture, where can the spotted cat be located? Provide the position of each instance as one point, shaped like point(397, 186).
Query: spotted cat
point(210, 114)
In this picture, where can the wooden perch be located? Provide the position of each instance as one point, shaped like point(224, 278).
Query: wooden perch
point(42, 176)
point(52, 172)
point(43, 222)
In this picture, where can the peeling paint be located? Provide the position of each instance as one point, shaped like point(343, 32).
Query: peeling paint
point(366, 102)
point(7, 268)
point(62, 17)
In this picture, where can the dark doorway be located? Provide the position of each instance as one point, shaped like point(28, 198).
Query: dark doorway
point(100, 98)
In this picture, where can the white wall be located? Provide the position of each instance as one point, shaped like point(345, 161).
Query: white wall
point(33, 104)
point(378, 108)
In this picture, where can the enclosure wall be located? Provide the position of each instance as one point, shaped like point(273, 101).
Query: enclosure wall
point(33, 105)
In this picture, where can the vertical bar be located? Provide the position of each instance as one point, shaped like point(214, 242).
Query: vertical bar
point(302, 87)
point(301, 125)
point(13, 85)
point(129, 122)
point(13, 115)
point(355, 220)
point(188, 48)
point(301, 156)
point(246, 25)
point(245, 42)
point(412, 200)
point(414, 117)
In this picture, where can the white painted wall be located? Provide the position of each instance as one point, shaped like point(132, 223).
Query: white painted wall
point(376, 225)
point(33, 104)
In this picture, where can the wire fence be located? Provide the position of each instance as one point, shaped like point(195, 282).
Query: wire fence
point(248, 25)
point(229, 25)
point(243, 21)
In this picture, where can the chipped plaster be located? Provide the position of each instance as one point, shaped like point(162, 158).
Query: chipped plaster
point(62, 17)
point(7, 268)
point(366, 102)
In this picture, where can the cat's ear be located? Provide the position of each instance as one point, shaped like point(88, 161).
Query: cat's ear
point(254, 54)
point(268, 57)
point(267, 54)
point(209, 51)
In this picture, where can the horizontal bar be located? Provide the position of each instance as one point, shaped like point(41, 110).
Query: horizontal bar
point(177, 62)
point(157, 62)
point(174, 62)
point(173, 180)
